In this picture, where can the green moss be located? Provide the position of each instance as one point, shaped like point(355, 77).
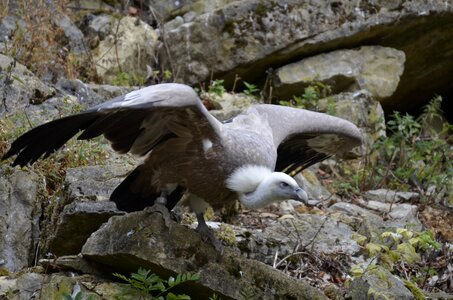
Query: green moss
point(4, 272)
point(415, 290)
point(227, 234)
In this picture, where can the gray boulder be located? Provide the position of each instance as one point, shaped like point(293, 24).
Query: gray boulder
point(129, 48)
point(379, 284)
point(21, 194)
point(87, 190)
point(322, 234)
point(142, 239)
point(20, 87)
point(390, 196)
point(373, 68)
point(77, 222)
point(247, 38)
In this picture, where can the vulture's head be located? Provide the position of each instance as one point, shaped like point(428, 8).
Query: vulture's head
point(257, 186)
point(280, 186)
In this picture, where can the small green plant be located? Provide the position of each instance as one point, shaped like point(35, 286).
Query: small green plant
point(250, 89)
point(145, 284)
point(413, 157)
point(216, 87)
point(397, 251)
point(247, 294)
point(311, 96)
point(126, 79)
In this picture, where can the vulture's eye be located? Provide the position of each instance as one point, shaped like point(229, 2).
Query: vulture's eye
point(283, 184)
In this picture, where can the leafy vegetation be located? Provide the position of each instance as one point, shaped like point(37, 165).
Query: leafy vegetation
point(145, 284)
point(250, 89)
point(311, 96)
point(41, 45)
point(414, 156)
point(401, 252)
point(216, 87)
point(127, 79)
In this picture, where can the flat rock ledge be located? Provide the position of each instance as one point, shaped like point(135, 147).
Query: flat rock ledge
point(142, 239)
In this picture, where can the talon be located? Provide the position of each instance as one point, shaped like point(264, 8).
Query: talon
point(207, 235)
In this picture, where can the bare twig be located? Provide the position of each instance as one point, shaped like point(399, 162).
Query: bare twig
point(316, 234)
point(164, 42)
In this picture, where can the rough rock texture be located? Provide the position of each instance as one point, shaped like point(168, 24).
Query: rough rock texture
point(60, 286)
point(308, 180)
point(389, 196)
point(371, 221)
point(73, 34)
point(141, 239)
point(231, 105)
point(324, 234)
point(373, 285)
point(95, 183)
point(76, 222)
point(249, 37)
point(87, 191)
point(107, 92)
point(134, 49)
point(20, 209)
point(26, 286)
point(372, 68)
point(24, 87)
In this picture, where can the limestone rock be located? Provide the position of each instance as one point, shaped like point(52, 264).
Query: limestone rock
point(95, 183)
point(107, 92)
point(75, 87)
point(246, 38)
point(76, 222)
point(91, 5)
point(389, 196)
point(308, 180)
point(361, 109)
point(283, 236)
point(166, 10)
point(373, 286)
point(26, 286)
point(99, 26)
point(369, 222)
point(8, 24)
point(373, 68)
point(128, 49)
point(74, 263)
point(141, 239)
point(20, 209)
point(231, 105)
point(72, 33)
point(24, 87)
point(60, 286)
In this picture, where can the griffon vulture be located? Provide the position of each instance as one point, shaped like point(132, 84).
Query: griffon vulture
point(188, 151)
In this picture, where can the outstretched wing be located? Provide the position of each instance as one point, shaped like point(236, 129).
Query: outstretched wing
point(135, 122)
point(304, 137)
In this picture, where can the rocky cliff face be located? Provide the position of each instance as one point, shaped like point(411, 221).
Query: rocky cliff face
point(61, 237)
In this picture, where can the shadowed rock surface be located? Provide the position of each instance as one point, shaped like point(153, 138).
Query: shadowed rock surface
point(142, 239)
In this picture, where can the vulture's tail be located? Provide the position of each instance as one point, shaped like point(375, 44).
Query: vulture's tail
point(47, 138)
point(128, 196)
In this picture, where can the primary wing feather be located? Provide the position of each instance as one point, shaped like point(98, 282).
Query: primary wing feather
point(135, 122)
point(303, 137)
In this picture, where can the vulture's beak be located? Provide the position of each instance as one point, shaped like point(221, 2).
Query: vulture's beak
point(301, 195)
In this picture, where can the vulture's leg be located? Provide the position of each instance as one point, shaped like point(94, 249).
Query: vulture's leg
point(199, 206)
point(160, 207)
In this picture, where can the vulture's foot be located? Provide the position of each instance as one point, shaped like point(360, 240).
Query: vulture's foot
point(207, 235)
point(163, 210)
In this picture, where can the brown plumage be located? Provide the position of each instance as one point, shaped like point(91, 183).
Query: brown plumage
point(189, 151)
